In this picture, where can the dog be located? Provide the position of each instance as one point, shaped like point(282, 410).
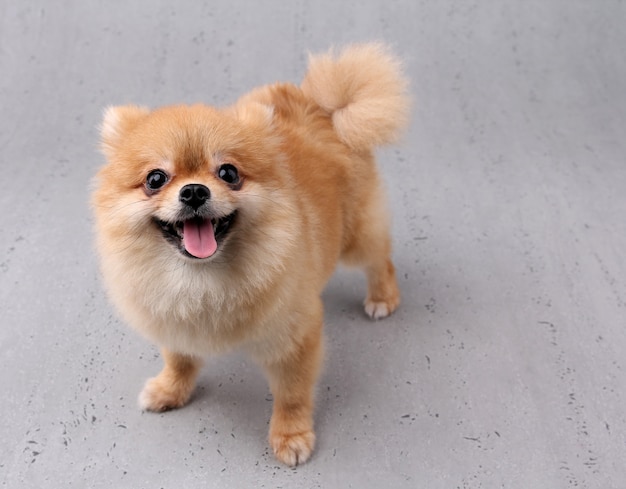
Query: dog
point(218, 228)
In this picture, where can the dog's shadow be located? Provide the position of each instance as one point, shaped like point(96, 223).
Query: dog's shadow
point(233, 395)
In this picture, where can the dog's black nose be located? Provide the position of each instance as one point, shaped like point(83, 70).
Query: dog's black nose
point(194, 195)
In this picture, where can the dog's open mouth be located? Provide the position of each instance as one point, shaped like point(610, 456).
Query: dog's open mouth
point(197, 237)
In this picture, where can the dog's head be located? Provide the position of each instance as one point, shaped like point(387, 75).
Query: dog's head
point(190, 178)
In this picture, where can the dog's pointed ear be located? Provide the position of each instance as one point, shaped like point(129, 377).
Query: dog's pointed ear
point(256, 114)
point(256, 108)
point(116, 123)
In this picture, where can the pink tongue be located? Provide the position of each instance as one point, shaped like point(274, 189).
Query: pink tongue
point(199, 238)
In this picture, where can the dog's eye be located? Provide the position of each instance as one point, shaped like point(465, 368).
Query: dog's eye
point(156, 179)
point(228, 173)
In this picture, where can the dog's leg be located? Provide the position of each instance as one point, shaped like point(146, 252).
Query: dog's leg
point(369, 247)
point(292, 382)
point(383, 295)
point(173, 386)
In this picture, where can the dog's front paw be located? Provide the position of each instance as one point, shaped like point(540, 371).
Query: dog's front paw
point(293, 449)
point(159, 396)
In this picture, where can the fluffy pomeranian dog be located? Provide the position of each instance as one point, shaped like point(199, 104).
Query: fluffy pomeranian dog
point(218, 228)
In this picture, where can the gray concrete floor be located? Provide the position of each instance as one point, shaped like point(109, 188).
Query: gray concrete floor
point(505, 365)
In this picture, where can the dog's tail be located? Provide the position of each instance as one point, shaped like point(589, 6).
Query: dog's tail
point(365, 92)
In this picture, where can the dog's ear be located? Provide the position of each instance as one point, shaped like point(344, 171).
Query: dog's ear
point(255, 114)
point(256, 108)
point(116, 123)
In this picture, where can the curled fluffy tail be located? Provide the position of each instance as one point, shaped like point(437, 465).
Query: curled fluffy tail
point(364, 90)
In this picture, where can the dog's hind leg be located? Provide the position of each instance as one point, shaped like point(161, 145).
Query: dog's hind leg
point(368, 246)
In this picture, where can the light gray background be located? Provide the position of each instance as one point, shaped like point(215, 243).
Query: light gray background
point(504, 367)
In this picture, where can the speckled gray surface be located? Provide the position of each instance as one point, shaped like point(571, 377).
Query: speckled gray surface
point(504, 367)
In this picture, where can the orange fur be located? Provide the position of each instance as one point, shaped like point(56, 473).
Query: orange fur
point(307, 195)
